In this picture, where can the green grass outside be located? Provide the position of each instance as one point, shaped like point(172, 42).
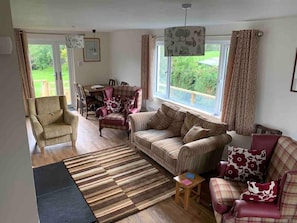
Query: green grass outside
point(48, 75)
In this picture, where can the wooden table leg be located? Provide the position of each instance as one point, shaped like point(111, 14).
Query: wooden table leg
point(198, 192)
point(186, 198)
point(177, 192)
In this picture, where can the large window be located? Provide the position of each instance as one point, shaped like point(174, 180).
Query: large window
point(194, 81)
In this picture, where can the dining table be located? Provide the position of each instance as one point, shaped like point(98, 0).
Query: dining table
point(95, 90)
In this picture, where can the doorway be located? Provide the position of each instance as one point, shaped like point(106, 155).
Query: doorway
point(50, 68)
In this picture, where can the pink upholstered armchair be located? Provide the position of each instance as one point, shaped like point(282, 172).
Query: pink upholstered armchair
point(119, 102)
point(227, 201)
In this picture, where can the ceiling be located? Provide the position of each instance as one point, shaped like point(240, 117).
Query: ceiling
point(111, 15)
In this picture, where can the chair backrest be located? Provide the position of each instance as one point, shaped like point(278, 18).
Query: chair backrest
point(125, 91)
point(46, 105)
point(123, 83)
point(77, 91)
point(284, 158)
point(112, 82)
point(260, 129)
point(82, 93)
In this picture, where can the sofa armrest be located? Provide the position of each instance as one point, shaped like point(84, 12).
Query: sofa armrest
point(139, 120)
point(71, 119)
point(190, 155)
point(243, 208)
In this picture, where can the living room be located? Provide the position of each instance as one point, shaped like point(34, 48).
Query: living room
point(275, 103)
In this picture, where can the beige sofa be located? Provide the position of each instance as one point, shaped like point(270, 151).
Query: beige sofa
point(179, 140)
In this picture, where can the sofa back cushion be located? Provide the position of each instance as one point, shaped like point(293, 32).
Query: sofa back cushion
point(284, 158)
point(191, 119)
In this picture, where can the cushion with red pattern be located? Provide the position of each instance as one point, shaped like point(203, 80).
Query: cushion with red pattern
point(265, 192)
point(113, 104)
point(127, 104)
point(244, 164)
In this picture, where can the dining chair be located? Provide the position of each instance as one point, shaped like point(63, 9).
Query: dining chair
point(123, 83)
point(112, 82)
point(78, 97)
point(87, 103)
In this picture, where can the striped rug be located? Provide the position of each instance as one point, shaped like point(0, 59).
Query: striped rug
point(118, 182)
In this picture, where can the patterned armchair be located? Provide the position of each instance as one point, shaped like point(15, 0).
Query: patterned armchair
point(119, 102)
point(51, 121)
point(273, 201)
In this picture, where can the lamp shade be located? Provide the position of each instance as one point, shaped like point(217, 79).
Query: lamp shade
point(184, 41)
point(74, 41)
point(5, 45)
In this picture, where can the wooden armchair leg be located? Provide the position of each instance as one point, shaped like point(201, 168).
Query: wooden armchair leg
point(42, 150)
point(100, 129)
point(74, 144)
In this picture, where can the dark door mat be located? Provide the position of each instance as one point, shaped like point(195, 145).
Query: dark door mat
point(58, 198)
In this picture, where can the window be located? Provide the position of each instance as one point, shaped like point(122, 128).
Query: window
point(194, 81)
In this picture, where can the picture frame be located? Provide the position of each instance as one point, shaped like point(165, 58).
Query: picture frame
point(91, 50)
point(294, 76)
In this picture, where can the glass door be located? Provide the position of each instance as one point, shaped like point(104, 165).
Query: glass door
point(49, 67)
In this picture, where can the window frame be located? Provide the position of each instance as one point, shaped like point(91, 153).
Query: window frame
point(224, 51)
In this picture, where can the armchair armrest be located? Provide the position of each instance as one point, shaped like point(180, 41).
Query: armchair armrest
point(222, 168)
point(71, 119)
point(36, 126)
point(191, 154)
point(101, 112)
point(243, 208)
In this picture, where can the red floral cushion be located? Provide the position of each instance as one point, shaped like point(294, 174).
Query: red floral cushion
point(266, 192)
point(127, 104)
point(113, 104)
point(244, 164)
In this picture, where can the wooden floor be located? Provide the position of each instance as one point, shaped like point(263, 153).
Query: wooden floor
point(89, 141)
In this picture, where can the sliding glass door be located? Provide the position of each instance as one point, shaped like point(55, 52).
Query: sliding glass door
point(49, 66)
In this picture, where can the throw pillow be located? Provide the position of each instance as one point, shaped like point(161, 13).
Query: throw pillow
point(195, 133)
point(46, 119)
point(113, 104)
point(244, 164)
point(127, 104)
point(159, 121)
point(266, 192)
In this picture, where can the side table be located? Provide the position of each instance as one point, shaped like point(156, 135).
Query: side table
point(186, 186)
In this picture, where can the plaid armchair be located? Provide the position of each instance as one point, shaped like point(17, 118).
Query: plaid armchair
point(281, 167)
point(119, 102)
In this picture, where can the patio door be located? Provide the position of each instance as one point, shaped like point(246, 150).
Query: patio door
point(50, 68)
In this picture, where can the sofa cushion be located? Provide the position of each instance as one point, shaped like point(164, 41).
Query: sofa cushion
point(167, 149)
point(46, 119)
point(127, 104)
point(244, 164)
point(265, 192)
point(147, 137)
point(195, 133)
point(177, 122)
point(159, 121)
point(189, 122)
point(224, 193)
point(56, 130)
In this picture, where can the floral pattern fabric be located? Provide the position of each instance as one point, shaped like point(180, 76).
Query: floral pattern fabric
point(127, 104)
point(244, 164)
point(113, 104)
point(266, 192)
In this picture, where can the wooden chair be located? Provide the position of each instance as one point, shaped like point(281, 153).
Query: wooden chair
point(123, 83)
point(87, 103)
point(78, 97)
point(260, 129)
point(112, 82)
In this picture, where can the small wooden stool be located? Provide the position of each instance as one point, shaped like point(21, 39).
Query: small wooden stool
point(187, 189)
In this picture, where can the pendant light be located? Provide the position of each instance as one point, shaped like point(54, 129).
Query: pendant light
point(184, 40)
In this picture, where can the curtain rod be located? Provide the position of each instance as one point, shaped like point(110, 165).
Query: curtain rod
point(259, 34)
point(61, 34)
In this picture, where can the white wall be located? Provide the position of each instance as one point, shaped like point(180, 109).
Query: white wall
point(93, 72)
point(17, 192)
point(125, 55)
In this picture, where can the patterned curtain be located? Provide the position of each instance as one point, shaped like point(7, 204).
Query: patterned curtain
point(240, 85)
point(24, 66)
point(147, 65)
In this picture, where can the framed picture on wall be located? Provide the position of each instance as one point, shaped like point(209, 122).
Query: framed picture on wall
point(91, 50)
